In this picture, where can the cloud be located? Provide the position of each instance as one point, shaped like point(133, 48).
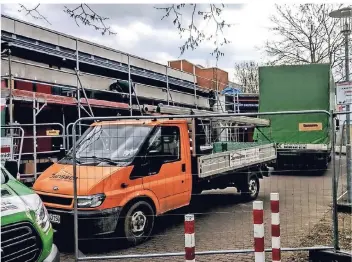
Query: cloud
point(140, 30)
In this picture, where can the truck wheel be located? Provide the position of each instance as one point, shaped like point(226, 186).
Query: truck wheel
point(250, 189)
point(138, 222)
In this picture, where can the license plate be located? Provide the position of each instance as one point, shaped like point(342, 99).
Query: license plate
point(55, 218)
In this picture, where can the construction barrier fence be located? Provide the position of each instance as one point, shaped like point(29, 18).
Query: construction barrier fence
point(224, 218)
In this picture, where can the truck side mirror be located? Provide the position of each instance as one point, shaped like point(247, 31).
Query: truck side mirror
point(11, 167)
point(62, 152)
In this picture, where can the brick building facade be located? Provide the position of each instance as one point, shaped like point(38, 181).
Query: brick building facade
point(210, 78)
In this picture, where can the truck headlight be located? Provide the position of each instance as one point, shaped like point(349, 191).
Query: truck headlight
point(90, 201)
point(42, 217)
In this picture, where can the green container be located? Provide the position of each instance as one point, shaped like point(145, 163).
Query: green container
point(296, 87)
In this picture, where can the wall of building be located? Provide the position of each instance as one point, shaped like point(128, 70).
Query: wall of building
point(213, 78)
point(18, 27)
point(205, 77)
point(182, 65)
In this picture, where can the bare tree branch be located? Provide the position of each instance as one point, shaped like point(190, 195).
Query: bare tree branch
point(33, 12)
point(85, 15)
point(82, 13)
point(247, 74)
point(195, 35)
point(306, 34)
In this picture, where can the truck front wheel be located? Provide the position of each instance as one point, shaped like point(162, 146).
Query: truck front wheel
point(138, 222)
point(250, 188)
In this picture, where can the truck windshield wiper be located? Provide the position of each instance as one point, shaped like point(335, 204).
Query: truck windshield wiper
point(71, 157)
point(102, 159)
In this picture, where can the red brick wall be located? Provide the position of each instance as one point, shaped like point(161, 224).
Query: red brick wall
point(175, 64)
point(206, 77)
point(182, 65)
point(209, 76)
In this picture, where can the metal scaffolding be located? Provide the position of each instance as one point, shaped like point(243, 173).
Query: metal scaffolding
point(79, 57)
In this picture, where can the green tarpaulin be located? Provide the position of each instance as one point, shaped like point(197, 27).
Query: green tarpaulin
point(299, 87)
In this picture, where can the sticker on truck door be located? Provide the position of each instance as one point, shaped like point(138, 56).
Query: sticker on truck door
point(304, 127)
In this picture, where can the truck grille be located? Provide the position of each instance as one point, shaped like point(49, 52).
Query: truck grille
point(65, 201)
point(20, 242)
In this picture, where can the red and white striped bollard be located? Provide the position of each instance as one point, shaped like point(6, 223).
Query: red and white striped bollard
point(275, 227)
point(189, 238)
point(258, 223)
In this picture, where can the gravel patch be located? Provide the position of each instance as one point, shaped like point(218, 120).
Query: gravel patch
point(321, 235)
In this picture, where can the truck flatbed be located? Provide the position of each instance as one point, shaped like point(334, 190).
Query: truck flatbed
point(244, 156)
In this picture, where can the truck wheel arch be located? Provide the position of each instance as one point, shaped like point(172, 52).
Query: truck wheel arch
point(134, 199)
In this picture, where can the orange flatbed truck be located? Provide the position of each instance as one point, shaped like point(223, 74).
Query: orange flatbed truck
point(129, 172)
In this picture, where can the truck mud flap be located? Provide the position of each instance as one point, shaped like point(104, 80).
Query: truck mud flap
point(265, 171)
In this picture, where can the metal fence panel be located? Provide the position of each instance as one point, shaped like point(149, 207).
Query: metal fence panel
point(224, 224)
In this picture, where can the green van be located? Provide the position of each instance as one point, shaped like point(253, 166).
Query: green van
point(26, 232)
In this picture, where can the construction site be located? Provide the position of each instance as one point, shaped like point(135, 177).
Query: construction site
point(50, 79)
point(109, 156)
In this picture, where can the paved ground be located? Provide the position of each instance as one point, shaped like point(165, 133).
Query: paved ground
point(224, 222)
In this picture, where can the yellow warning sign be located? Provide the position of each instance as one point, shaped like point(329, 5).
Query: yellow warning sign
point(310, 126)
point(52, 132)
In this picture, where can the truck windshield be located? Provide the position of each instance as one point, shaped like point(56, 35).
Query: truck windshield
point(111, 142)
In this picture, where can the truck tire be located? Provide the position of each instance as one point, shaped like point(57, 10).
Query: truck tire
point(138, 222)
point(250, 188)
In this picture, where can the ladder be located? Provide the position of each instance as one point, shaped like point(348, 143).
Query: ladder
point(208, 115)
point(213, 127)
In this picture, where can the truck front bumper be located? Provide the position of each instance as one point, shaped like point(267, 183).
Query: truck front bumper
point(90, 222)
point(54, 255)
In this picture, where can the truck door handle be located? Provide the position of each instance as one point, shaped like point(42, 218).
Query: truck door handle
point(183, 167)
point(124, 185)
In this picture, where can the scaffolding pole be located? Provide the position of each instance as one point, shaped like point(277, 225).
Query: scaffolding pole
point(194, 86)
point(130, 85)
point(11, 96)
point(84, 94)
point(167, 86)
point(34, 137)
point(78, 89)
point(36, 111)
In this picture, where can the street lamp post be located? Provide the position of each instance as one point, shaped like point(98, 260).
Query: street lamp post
point(345, 16)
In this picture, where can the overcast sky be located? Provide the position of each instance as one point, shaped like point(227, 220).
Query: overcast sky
point(141, 32)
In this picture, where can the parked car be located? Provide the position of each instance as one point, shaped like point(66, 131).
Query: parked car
point(26, 231)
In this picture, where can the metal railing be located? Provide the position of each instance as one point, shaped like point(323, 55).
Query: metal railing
point(19, 154)
point(35, 137)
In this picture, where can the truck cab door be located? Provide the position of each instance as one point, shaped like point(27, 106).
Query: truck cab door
point(166, 168)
